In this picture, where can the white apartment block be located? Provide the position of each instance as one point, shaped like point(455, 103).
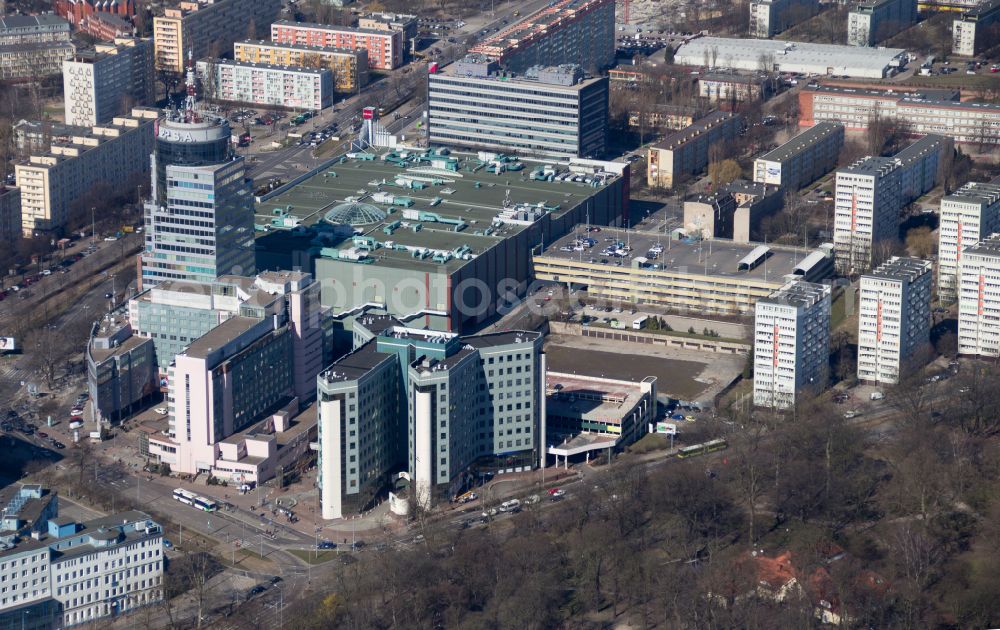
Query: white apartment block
point(803, 159)
point(866, 210)
point(894, 317)
point(979, 299)
point(52, 183)
point(971, 33)
point(770, 17)
point(873, 21)
point(262, 84)
point(79, 573)
point(871, 193)
point(791, 343)
point(966, 217)
point(97, 83)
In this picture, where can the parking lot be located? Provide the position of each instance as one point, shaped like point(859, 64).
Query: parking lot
point(677, 378)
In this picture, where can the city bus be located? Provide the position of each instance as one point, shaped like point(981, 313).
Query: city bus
point(185, 497)
point(205, 504)
point(700, 449)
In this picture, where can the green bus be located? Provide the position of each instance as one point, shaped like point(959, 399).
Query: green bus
point(700, 449)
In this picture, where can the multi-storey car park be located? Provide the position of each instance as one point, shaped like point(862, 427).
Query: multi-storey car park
point(967, 216)
point(701, 276)
point(566, 31)
point(430, 231)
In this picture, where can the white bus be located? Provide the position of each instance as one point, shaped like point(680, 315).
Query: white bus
point(185, 497)
point(205, 504)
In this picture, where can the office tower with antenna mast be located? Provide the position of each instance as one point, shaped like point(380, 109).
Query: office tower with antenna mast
point(199, 218)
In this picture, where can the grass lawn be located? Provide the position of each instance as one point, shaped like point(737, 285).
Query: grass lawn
point(649, 443)
point(313, 557)
point(838, 311)
point(958, 80)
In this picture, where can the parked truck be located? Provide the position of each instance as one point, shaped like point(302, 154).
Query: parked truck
point(640, 322)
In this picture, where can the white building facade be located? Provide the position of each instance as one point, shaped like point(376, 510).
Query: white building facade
point(791, 343)
point(894, 317)
point(979, 299)
point(292, 87)
point(97, 84)
point(866, 210)
point(92, 570)
point(967, 216)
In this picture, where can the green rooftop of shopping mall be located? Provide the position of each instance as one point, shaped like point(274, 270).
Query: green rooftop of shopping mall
point(431, 207)
point(431, 218)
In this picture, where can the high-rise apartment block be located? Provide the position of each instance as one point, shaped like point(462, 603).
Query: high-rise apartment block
point(102, 83)
point(685, 152)
point(349, 66)
point(566, 31)
point(10, 214)
point(208, 28)
point(385, 48)
point(770, 17)
point(976, 29)
point(979, 299)
point(291, 87)
point(70, 574)
point(549, 111)
point(874, 21)
point(967, 216)
point(894, 318)
point(52, 183)
point(871, 193)
point(439, 406)
point(791, 344)
point(803, 159)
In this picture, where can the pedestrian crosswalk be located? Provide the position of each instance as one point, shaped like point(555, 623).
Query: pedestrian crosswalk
point(9, 371)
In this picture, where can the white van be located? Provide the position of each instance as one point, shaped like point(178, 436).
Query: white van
point(510, 506)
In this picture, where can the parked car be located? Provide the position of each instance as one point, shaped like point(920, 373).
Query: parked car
point(326, 544)
point(257, 590)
